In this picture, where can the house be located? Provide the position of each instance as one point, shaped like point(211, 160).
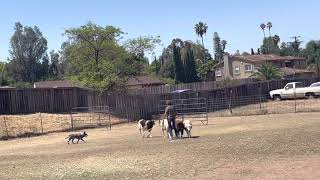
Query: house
point(244, 66)
point(55, 84)
point(139, 82)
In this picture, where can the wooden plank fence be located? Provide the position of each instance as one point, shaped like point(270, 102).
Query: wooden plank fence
point(62, 100)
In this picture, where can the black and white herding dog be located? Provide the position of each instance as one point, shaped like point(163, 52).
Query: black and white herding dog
point(184, 126)
point(145, 126)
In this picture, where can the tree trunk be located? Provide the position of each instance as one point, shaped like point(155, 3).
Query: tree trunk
point(269, 32)
point(202, 41)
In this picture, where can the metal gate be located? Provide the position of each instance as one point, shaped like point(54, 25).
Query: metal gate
point(195, 109)
point(90, 117)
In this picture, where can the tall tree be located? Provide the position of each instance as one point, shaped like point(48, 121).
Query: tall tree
point(295, 45)
point(94, 57)
point(291, 48)
point(263, 26)
point(269, 26)
point(312, 54)
point(190, 70)
point(45, 67)
point(55, 70)
point(276, 39)
point(27, 49)
point(178, 65)
point(142, 45)
point(219, 47)
point(201, 29)
point(5, 79)
point(271, 45)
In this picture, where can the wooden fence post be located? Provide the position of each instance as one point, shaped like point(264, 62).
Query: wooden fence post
point(260, 98)
point(295, 101)
point(127, 115)
point(71, 119)
point(109, 117)
point(5, 126)
point(41, 123)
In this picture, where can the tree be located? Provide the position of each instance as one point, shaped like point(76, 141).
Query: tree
point(295, 45)
point(45, 67)
point(312, 54)
point(206, 71)
point(219, 47)
point(291, 48)
point(142, 45)
point(55, 70)
point(267, 72)
point(269, 26)
point(5, 79)
point(93, 56)
point(178, 65)
point(189, 64)
point(263, 26)
point(252, 52)
point(27, 49)
point(201, 29)
point(276, 39)
point(154, 67)
point(271, 45)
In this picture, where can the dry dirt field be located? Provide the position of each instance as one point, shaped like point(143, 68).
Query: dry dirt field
point(284, 146)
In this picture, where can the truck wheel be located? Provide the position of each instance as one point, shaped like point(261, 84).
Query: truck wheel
point(310, 95)
point(277, 98)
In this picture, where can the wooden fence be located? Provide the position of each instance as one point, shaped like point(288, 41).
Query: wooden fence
point(199, 86)
point(62, 100)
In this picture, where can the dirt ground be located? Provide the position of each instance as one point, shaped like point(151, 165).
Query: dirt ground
point(284, 146)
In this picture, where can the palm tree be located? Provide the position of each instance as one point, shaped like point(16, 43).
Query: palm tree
point(269, 26)
point(267, 72)
point(201, 29)
point(263, 26)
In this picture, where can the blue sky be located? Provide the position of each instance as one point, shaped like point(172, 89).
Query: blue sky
point(236, 21)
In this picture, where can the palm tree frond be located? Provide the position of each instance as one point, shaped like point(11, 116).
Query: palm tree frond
point(267, 72)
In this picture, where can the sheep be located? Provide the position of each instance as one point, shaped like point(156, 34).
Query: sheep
point(187, 126)
point(165, 128)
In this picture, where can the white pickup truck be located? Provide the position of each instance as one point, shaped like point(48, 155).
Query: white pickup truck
point(295, 90)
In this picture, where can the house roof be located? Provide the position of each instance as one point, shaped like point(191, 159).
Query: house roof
point(144, 80)
point(6, 87)
point(291, 71)
point(266, 58)
point(55, 84)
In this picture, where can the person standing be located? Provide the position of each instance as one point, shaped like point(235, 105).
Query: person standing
point(170, 114)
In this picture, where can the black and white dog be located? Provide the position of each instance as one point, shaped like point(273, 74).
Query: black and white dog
point(185, 125)
point(145, 126)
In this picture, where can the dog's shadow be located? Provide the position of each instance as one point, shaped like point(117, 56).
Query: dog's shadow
point(192, 137)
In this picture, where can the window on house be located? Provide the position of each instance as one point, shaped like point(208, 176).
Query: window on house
point(237, 70)
point(248, 67)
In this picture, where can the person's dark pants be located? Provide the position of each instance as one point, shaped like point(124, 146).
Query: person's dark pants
point(172, 126)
